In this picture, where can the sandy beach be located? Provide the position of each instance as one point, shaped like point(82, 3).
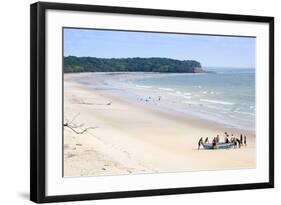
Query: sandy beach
point(133, 138)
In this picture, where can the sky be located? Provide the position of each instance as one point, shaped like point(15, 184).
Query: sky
point(210, 51)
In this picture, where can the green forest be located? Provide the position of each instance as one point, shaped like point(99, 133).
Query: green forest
point(165, 65)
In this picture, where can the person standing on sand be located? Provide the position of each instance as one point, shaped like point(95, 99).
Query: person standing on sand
point(218, 138)
point(206, 140)
point(239, 142)
point(235, 143)
point(245, 140)
point(241, 139)
point(200, 142)
point(226, 139)
point(214, 142)
point(225, 134)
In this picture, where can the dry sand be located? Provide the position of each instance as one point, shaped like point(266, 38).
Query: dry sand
point(132, 139)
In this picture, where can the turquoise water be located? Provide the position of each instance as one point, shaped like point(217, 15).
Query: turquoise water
point(226, 96)
point(234, 88)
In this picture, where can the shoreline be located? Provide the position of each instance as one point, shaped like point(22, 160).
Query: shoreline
point(132, 138)
point(119, 94)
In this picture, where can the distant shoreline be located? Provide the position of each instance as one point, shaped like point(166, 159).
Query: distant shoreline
point(153, 64)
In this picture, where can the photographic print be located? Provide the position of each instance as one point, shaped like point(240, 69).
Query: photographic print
point(132, 102)
point(150, 102)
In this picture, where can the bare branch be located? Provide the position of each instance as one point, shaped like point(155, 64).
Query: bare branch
point(74, 117)
point(76, 128)
point(79, 132)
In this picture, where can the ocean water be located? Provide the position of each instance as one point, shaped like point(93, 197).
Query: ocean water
point(226, 96)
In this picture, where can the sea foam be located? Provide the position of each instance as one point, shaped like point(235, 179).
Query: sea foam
point(217, 102)
point(166, 89)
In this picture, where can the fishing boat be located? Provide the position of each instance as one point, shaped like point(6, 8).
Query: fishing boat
point(219, 145)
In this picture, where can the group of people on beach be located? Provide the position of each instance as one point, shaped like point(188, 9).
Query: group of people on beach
point(237, 141)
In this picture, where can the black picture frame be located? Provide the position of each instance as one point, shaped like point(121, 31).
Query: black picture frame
point(38, 101)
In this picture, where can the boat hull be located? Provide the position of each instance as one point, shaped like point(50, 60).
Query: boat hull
point(220, 145)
